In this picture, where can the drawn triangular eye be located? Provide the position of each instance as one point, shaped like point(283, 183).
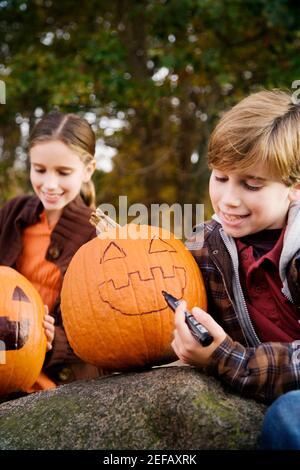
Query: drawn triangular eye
point(113, 251)
point(19, 294)
point(157, 245)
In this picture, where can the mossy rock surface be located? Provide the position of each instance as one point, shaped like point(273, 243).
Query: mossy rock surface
point(164, 408)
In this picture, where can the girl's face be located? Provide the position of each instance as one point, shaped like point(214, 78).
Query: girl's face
point(56, 175)
point(249, 203)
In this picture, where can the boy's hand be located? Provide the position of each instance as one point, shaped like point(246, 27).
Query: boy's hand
point(48, 325)
point(186, 346)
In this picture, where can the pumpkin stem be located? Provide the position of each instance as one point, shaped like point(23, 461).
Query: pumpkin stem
point(102, 221)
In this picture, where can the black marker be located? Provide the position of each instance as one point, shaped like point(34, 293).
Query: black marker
point(198, 331)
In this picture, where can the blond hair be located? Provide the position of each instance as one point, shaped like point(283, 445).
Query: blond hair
point(262, 128)
point(77, 134)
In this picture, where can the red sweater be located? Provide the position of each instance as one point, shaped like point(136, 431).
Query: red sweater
point(274, 317)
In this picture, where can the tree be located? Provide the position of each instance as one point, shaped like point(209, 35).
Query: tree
point(167, 68)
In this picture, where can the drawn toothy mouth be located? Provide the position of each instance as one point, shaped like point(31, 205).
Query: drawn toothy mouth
point(128, 295)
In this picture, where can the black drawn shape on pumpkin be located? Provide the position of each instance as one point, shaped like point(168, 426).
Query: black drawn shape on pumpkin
point(113, 291)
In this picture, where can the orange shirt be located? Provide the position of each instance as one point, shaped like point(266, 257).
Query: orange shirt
point(43, 274)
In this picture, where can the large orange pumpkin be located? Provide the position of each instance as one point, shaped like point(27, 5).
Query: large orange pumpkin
point(113, 310)
point(22, 337)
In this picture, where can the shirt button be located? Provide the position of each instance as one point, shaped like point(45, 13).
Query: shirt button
point(54, 252)
point(65, 374)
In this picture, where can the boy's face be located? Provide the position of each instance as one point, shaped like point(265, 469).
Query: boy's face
point(249, 203)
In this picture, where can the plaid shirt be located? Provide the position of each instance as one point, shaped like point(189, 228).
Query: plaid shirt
point(263, 370)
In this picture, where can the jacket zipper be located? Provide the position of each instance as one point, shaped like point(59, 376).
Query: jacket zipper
point(288, 297)
point(245, 323)
point(232, 302)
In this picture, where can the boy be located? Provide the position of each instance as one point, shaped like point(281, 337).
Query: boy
point(250, 255)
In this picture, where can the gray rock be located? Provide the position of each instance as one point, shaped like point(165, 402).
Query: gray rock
point(164, 408)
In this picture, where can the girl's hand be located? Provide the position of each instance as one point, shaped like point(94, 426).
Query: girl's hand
point(186, 346)
point(48, 325)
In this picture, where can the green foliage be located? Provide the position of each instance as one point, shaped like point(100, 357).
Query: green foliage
point(100, 56)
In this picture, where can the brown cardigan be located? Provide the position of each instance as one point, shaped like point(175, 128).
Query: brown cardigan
point(72, 231)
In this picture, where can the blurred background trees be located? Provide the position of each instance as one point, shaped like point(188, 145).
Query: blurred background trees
point(152, 77)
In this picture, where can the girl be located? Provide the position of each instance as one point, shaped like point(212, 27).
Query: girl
point(40, 234)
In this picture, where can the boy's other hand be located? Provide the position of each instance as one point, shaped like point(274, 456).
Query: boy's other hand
point(186, 346)
point(48, 324)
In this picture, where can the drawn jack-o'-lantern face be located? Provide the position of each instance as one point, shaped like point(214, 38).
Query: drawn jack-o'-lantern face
point(22, 338)
point(130, 286)
point(113, 310)
point(14, 334)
